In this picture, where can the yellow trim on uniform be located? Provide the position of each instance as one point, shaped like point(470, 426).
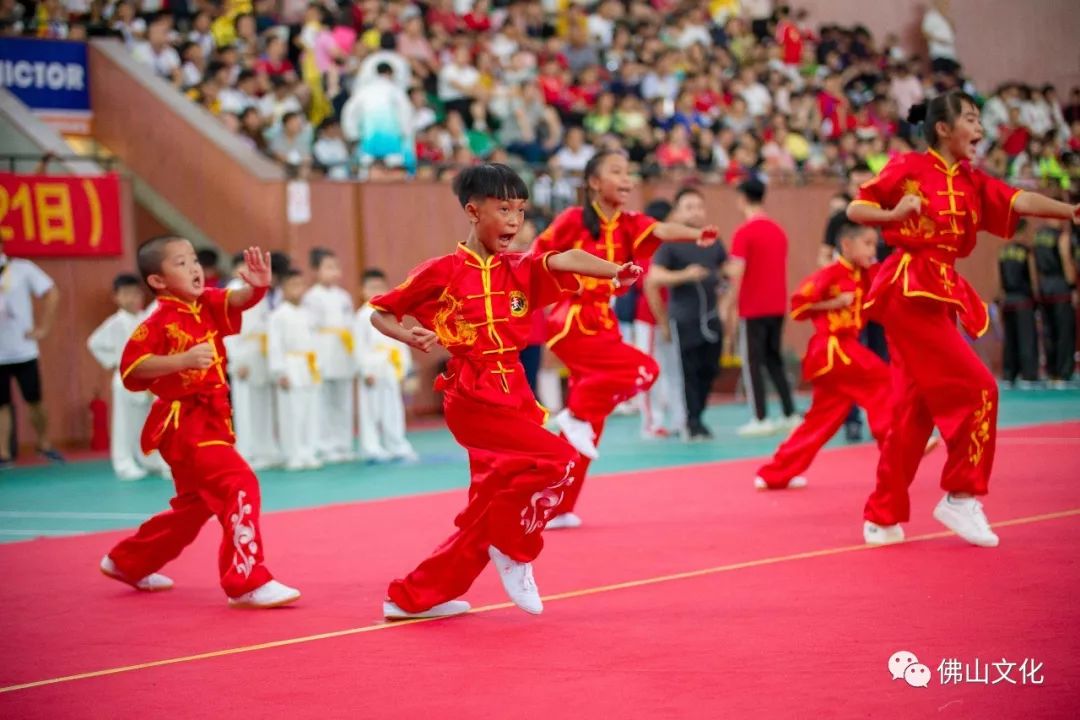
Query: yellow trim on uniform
point(138, 361)
point(228, 322)
point(902, 267)
point(570, 315)
point(485, 267)
point(211, 443)
point(173, 417)
point(832, 348)
point(549, 271)
point(796, 312)
point(647, 232)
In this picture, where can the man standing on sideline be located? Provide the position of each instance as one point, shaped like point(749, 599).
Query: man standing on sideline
point(758, 273)
point(690, 318)
point(20, 282)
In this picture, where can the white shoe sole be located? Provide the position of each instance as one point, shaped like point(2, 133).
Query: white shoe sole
point(451, 608)
point(562, 522)
point(796, 483)
point(521, 605)
point(252, 605)
point(880, 539)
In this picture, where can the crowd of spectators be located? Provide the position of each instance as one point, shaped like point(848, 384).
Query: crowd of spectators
point(715, 89)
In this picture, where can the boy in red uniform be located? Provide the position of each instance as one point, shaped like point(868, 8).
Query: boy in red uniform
point(178, 355)
point(931, 206)
point(604, 370)
point(841, 369)
point(477, 303)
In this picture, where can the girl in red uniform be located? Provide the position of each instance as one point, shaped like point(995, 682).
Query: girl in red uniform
point(931, 206)
point(477, 302)
point(584, 333)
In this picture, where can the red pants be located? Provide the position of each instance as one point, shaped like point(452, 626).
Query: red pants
point(212, 480)
point(865, 382)
point(604, 371)
point(937, 380)
point(519, 474)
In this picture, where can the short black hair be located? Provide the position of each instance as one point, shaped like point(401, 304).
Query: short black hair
point(849, 230)
point(490, 180)
point(752, 189)
point(373, 274)
point(658, 209)
point(279, 263)
point(384, 68)
point(237, 259)
point(290, 272)
point(124, 280)
point(151, 254)
point(207, 257)
point(317, 255)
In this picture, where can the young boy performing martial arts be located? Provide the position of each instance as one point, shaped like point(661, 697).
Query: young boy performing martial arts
point(931, 206)
point(841, 369)
point(477, 302)
point(177, 354)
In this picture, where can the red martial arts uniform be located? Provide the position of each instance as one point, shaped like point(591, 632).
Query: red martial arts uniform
point(583, 330)
point(841, 369)
point(480, 311)
point(190, 423)
point(918, 296)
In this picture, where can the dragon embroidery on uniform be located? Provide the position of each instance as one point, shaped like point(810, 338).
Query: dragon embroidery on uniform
point(981, 434)
point(450, 327)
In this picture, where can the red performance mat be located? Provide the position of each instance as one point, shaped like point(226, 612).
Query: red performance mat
point(687, 594)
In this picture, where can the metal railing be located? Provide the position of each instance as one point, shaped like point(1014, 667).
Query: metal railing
point(9, 161)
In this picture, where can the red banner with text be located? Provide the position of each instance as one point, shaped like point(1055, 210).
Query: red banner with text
point(60, 215)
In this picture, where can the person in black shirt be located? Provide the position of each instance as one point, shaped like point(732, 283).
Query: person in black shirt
point(693, 275)
point(1056, 282)
point(1021, 349)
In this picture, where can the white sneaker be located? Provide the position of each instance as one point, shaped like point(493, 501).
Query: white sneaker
point(563, 521)
point(932, 444)
point(517, 580)
point(790, 422)
point(965, 517)
point(272, 594)
point(391, 611)
point(758, 428)
point(796, 483)
point(875, 534)
point(131, 475)
point(578, 433)
point(154, 582)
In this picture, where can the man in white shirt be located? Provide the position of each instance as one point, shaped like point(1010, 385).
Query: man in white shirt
point(156, 52)
point(575, 153)
point(295, 371)
point(20, 282)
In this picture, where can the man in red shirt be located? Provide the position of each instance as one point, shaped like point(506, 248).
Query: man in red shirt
point(758, 273)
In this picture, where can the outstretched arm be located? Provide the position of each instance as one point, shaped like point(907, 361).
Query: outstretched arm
point(256, 274)
point(583, 263)
point(677, 232)
point(1031, 203)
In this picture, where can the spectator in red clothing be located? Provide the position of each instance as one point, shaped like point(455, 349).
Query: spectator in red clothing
point(441, 14)
point(479, 19)
point(675, 153)
point(788, 37)
point(758, 274)
point(835, 108)
point(1014, 135)
point(275, 61)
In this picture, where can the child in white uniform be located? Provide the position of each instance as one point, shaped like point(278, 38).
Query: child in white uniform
point(129, 409)
point(249, 378)
point(331, 310)
point(383, 365)
point(295, 371)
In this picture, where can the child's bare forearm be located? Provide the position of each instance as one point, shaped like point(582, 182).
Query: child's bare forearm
point(157, 366)
point(389, 326)
point(582, 263)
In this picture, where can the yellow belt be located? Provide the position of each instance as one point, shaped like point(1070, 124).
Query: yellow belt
point(396, 360)
point(264, 341)
point(313, 365)
point(344, 334)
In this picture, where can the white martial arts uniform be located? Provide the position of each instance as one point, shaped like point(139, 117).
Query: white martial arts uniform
point(129, 409)
point(664, 405)
point(292, 356)
point(253, 396)
point(387, 362)
point(331, 311)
